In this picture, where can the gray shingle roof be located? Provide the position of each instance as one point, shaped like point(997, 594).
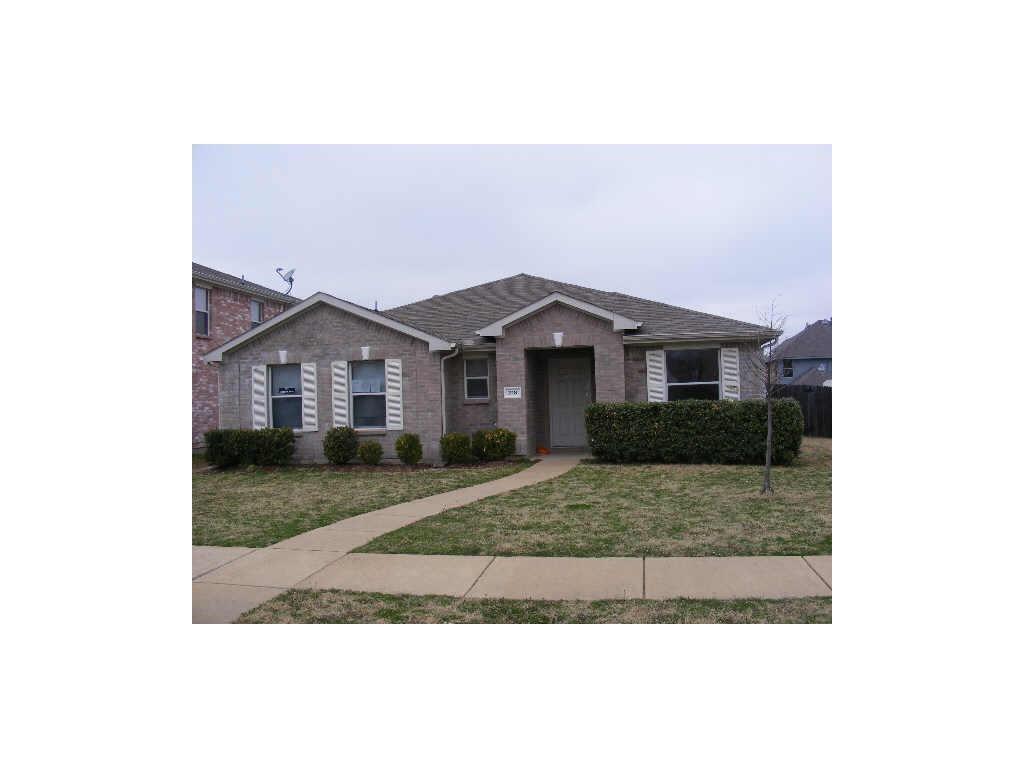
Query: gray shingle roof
point(813, 341)
point(230, 281)
point(458, 315)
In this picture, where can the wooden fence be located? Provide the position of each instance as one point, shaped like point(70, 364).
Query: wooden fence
point(816, 404)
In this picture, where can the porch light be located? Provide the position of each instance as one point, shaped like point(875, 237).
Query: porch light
point(282, 355)
point(366, 352)
point(557, 335)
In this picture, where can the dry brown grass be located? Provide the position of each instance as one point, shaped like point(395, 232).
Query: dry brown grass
point(338, 607)
point(600, 510)
point(257, 507)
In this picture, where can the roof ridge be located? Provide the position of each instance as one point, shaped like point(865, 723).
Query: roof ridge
point(286, 296)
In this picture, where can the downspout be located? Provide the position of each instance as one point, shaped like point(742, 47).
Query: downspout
point(444, 401)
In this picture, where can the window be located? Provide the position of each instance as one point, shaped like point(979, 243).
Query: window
point(369, 395)
point(286, 396)
point(255, 312)
point(476, 378)
point(202, 302)
point(692, 374)
point(787, 369)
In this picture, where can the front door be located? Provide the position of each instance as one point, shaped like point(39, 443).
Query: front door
point(568, 395)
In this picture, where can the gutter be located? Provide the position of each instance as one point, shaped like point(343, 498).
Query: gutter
point(444, 402)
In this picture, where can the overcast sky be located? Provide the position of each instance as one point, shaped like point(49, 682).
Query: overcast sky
point(721, 229)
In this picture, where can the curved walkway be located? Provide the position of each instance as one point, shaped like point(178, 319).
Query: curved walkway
point(227, 581)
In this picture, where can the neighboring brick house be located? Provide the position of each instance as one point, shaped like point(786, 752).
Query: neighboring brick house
point(806, 358)
point(223, 306)
point(524, 353)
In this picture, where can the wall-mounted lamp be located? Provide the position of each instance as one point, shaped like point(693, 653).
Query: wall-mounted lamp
point(282, 355)
point(366, 353)
point(558, 338)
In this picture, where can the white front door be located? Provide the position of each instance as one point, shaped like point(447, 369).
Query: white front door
point(568, 395)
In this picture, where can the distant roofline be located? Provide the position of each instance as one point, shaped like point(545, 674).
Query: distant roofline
point(227, 280)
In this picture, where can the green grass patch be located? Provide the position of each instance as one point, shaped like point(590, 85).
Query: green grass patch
point(666, 510)
point(256, 507)
point(301, 606)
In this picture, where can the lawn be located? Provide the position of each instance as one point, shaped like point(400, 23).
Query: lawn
point(301, 606)
point(603, 510)
point(256, 507)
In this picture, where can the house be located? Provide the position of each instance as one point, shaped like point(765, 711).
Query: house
point(524, 352)
point(806, 358)
point(223, 306)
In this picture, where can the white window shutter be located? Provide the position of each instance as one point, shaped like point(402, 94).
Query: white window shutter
point(730, 374)
point(259, 396)
point(309, 419)
point(393, 375)
point(339, 392)
point(656, 389)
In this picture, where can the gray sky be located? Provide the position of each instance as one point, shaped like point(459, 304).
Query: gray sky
point(721, 229)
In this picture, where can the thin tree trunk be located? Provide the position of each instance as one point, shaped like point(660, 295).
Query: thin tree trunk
point(766, 485)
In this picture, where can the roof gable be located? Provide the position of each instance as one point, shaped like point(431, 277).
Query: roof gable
point(434, 343)
point(619, 322)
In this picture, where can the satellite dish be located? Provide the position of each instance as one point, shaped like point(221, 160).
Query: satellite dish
point(287, 277)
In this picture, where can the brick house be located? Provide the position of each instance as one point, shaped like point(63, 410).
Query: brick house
point(223, 306)
point(524, 352)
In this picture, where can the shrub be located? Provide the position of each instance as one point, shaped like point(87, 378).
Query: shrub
point(494, 444)
point(694, 431)
point(456, 448)
point(340, 445)
point(273, 446)
point(409, 448)
point(370, 452)
point(234, 447)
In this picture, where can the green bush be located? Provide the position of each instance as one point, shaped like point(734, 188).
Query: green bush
point(234, 447)
point(494, 444)
point(456, 448)
point(370, 452)
point(694, 431)
point(340, 445)
point(409, 448)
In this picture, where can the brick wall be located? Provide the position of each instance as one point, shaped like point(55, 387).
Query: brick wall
point(464, 415)
point(324, 334)
point(581, 330)
point(229, 316)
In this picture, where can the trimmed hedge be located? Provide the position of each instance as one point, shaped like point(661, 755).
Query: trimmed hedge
point(456, 448)
point(241, 447)
point(370, 452)
point(409, 448)
point(494, 444)
point(340, 445)
point(694, 431)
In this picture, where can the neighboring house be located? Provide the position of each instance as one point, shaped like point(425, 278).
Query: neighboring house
point(525, 353)
point(806, 359)
point(223, 306)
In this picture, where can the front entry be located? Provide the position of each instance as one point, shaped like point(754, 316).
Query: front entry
point(568, 394)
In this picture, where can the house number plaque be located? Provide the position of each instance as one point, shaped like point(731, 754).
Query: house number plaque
point(513, 393)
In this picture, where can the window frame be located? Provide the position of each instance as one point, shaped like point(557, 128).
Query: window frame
point(693, 348)
point(273, 397)
point(466, 379)
point(262, 306)
point(352, 395)
point(789, 367)
point(209, 315)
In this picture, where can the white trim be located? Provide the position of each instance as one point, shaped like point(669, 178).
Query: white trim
point(619, 322)
point(434, 343)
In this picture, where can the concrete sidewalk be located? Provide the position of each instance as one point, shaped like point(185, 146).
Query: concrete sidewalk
point(227, 581)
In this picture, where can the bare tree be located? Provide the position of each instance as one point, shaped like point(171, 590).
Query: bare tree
point(772, 320)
